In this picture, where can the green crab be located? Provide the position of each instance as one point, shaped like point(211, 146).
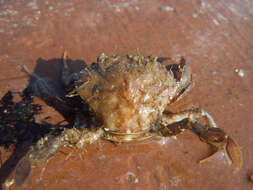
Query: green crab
point(127, 96)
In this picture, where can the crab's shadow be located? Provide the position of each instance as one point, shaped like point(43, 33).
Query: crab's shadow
point(19, 126)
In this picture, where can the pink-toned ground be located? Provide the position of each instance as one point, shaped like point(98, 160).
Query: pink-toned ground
point(215, 37)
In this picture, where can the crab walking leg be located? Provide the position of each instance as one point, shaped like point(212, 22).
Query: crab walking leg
point(66, 77)
point(65, 70)
point(50, 145)
point(211, 135)
point(192, 115)
point(221, 141)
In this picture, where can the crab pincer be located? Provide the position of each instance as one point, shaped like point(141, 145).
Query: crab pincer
point(221, 141)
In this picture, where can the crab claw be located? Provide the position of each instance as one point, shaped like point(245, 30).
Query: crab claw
point(234, 152)
point(218, 139)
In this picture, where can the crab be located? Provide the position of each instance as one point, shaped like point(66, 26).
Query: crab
point(127, 96)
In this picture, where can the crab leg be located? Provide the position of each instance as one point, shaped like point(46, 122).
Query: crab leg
point(217, 138)
point(48, 146)
point(192, 115)
point(208, 133)
point(67, 77)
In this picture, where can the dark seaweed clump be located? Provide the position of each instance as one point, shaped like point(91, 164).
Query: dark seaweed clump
point(19, 129)
point(18, 120)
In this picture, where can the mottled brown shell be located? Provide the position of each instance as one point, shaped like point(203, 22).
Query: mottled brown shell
point(127, 93)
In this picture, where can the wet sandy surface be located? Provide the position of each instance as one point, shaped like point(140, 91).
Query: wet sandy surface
point(214, 37)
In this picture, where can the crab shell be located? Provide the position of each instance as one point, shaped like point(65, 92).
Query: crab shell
point(129, 93)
